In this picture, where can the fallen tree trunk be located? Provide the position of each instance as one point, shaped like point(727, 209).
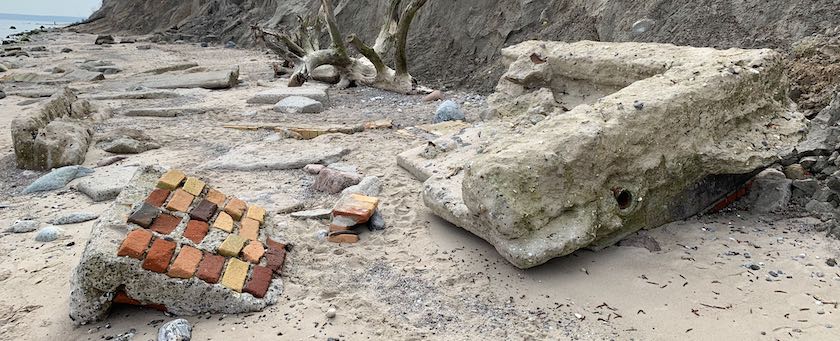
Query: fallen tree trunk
point(301, 51)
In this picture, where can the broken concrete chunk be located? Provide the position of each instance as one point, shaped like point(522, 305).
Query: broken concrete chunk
point(299, 105)
point(315, 91)
point(770, 191)
point(56, 135)
point(534, 191)
point(106, 183)
point(127, 141)
point(333, 181)
point(323, 213)
point(276, 156)
point(207, 80)
point(171, 68)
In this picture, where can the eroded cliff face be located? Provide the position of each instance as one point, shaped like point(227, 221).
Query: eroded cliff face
point(458, 42)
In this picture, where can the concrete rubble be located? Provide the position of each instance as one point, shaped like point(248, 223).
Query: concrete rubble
point(212, 80)
point(264, 156)
point(585, 151)
point(57, 135)
point(280, 90)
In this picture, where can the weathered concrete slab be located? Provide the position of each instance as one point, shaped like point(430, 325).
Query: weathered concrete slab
point(624, 131)
point(285, 154)
point(57, 135)
point(207, 80)
point(106, 183)
point(147, 94)
point(312, 90)
point(171, 68)
point(163, 112)
point(119, 265)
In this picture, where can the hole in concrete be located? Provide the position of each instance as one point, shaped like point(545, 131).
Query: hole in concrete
point(623, 197)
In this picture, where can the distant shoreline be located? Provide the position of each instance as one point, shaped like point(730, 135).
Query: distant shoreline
point(39, 18)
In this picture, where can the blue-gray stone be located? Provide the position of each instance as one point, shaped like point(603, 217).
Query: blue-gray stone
point(23, 226)
point(448, 111)
point(74, 218)
point(175, 330)
point(57, 178)
point(48, 234)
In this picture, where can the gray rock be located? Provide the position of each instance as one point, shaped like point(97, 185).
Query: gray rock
point(127, 141)
point(642, 26)
point(312, 90)
point(333, 181)
point(175, 330)
point(230, 45)
point(106, 183)
point(57, 178)
point(824, 194)
point(370, 186)
point(299, 104)
point(24, 226)
point(66, 50)
point(322, 213)
point(171, 68)
point(807, 186)
point(2, 94)
point(206, 80)
point(38, 49)
point(770, 191)
point(313, 169)
point(796, 172)
point(448, 111)
point(325, 73)
point(376, 222)
point(105, 40)
point(48, 234)
point(287, 154)
point(56, 135)
point(74, 218)
point(144, 47)
point(822, 210)
point(110, 160)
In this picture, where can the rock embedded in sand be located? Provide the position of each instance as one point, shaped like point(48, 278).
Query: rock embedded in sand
point(299, 105)
point(48, 234)
point(74, 218)
point(56, 135)
point(333, 181)
point(127, 141)
point(175, 330)
point(322, 213)
point(24, 226)
point(57, 178)
point(448, 111)
point(315, 91)
point(105, 40)
point(770, 191)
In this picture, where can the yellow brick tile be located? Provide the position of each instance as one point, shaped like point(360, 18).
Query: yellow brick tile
point(224, 222)
point(257, 213)
point(232, 245)
point(171, 179)
point(216, 197)
point(193, 186)
point(235, 273)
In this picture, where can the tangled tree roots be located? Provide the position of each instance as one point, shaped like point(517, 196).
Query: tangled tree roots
point(302, 53)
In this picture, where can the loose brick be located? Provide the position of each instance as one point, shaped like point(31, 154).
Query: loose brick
point(253, 251)
point(159, 255)
point(274, 259)
point(344, 238)
point(259, 282)
point(135, 244)
point(204, 210)
point(249, 229)
point(144, 215)
point(158, 197)
point(356, 206)
point(171, 179)
point(337, 228)
point(122, 298)
point(216, 197)
point(236, 208)
point(232, 245)
point(185, 263)
point(196, 231)
point(257, 213)
point(210, 268)
point(224, 222)
point(180, 201)
point(272, 244)
point(235, 274)
point(193, 186)
point(165, 224)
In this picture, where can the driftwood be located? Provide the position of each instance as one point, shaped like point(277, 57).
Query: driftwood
point(302, 53)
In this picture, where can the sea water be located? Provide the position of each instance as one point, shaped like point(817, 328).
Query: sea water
point(23, 23)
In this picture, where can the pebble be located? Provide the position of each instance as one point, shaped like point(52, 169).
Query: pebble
point(638, 105)
point(831, 262)
point(175, 330)
point(48, 234)
point(331, 312)
point(448, 111)
point(74, 218)
point(753, 267)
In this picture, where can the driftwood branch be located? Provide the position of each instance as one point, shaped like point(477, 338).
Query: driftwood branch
point(402, 35)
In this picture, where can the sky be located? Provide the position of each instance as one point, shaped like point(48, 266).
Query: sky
point(70, 8)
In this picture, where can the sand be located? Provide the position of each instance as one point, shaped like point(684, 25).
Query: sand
point(421, 278)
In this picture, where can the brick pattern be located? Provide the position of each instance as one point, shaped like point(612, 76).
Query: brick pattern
point(350, 211)
point(242, 262)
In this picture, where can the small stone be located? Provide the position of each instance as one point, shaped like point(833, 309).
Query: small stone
point(448, 111)
point(299, 105)
point(831, 262)
point(333, 181)
point(74, 218)
point(314, 169)
point(66, 50)
point(175, 330)
point(48, 234)
point(24, 226)
point(331, 312)
point(144, 215)
point(377, 222)
point(230, 45)
point(796, 172)
point(639, 105)
point(754, 267)
point(323, 213)
point(105, 40)
point(436, 95)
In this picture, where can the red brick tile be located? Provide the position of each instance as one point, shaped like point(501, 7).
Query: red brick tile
point(203, 211)
point(122, 298)
point(343, 238)
point(253, 251)
point(135, 244)
point(165, 224)
point(259, 282)
point(210, 268)
point(356, 206)
point(196, 231)
point(158, 197)
point(273, 244)
point(185, 263)
point(144, 215)
point(159, 255)
point(274, 260)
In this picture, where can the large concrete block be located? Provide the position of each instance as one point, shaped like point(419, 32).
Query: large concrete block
point(57, 135)
point(119, 265)
point(598, 140)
